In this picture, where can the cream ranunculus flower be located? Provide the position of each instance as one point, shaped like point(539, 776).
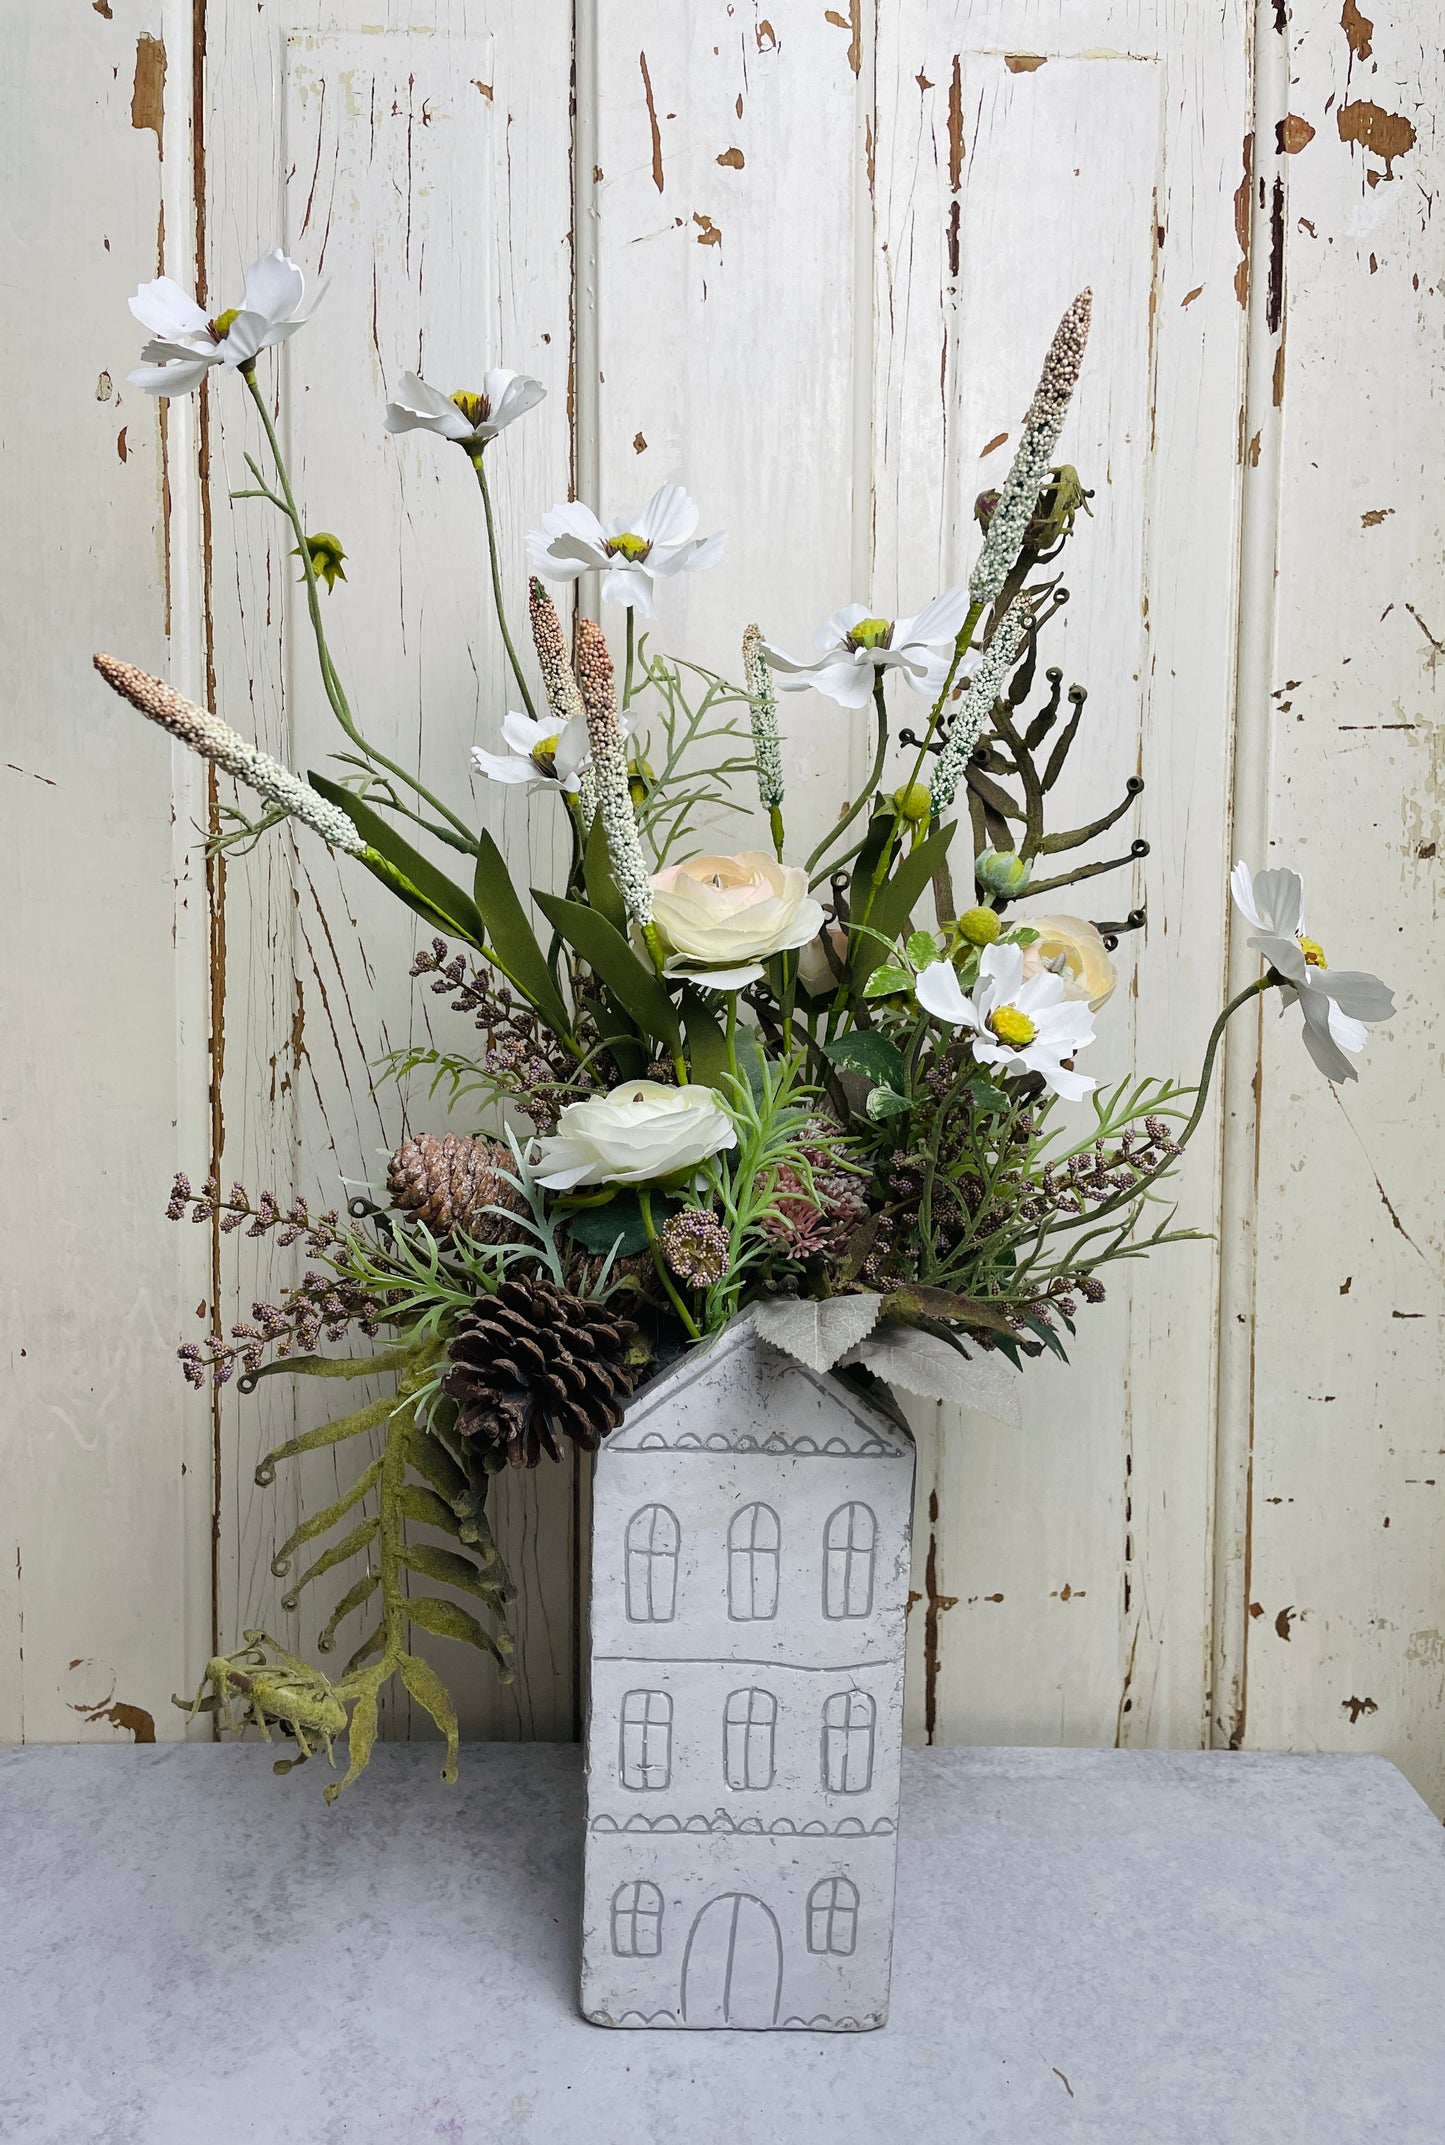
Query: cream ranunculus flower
point(721, 916)
point(1074, 949)
point(816, 972)
point(638, 1133)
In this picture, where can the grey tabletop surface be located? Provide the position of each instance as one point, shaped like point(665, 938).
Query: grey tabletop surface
point(1139, 1947)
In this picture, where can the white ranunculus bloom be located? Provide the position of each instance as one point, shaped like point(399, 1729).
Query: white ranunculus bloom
point(721, 916)
point(469, 419)
point(629, 553)
point(1019, 1024)
point(1336, 1003)
point(186, 343)
point(1074, 949)
point(642, 1131)
point(856, 646)
point(816, 972)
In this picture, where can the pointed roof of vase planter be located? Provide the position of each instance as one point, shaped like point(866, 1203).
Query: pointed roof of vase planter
point(771, 1403)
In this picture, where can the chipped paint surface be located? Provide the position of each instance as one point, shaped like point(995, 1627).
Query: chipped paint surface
point(1063, 1575)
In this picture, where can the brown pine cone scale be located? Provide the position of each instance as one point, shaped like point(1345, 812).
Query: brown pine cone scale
point(450, 1183)
point(533, 1365)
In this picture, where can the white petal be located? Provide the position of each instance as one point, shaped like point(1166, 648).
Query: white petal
point(629, 586)
point(166, 309)
point(275, 287)
point(843, 679)
point(244, 338)
point(504, 767)
point(937, 621)
point(1241, 886)
point(1003, 967)
point(1349, 1034)
point(575, 518)
point(715, 979)
point(669, 517)
point(573, 752)
point(692, 557)
point(790, 665)
point(940, 993)
point(1068, 1085)
point(418, 405)
point(835, 630)
point(167, 379)
point(524, 733)
point(510, 395)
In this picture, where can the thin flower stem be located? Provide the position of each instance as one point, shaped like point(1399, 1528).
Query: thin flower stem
point(644, 1200)
point(478, 461)
point(340, 706)
point(870, 788)
point(631, 655)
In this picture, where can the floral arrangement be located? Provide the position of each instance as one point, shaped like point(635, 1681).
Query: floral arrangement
point(826, 1089)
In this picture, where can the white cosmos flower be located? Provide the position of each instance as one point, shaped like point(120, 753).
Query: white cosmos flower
point(186, 343)
point(469, 419)
point(630, 553)
point(1020, 1024)
point(1335, 1003)
point(639, 1132)
point(547, 752)
point(857, 645)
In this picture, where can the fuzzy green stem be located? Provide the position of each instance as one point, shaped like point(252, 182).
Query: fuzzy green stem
point(478, 462)
point(340, 707)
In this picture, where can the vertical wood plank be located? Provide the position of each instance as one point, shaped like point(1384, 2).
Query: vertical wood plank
point(421, 164)
point(1342, 1616)
point(100, 1043)
point(1025, 149)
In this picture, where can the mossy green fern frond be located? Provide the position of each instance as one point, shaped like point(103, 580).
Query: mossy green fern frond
point(426, 1478)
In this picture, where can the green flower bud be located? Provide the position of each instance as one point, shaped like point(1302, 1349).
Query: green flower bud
point(980, 927)
point(326, 557)
point(1002, 872)
point(912, 802)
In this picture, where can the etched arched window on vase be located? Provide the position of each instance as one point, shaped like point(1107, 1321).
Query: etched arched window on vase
point(849, 1721)
point(754, 1542)
point(750, 1726)
point(646, 1743)
point(652, 1543)
point(833, 1917)
point(637, 1920)
point(849, 1547)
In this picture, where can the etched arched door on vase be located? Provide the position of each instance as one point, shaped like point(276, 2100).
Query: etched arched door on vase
point(732, 1969)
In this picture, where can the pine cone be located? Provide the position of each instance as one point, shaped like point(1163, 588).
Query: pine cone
point(449, 1184)
point(533, 1365)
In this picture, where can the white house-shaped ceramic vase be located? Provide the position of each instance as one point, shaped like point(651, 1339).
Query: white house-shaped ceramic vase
point(750, 1555)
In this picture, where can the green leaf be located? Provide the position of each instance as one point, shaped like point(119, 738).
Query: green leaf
point(427, 1688)
point(885, 981)
point(918, 1300)
point(923, 948)
point(448, 1569)
point(894, 903)
point(448, 1620)
point(336, 1433)
point(429, 1456)
point(512, 937)
point(603, 893)
point(426, 1509)
point(320, 1521)
point(866, 1051)
point(350, 1545)
point(354, 1596)
point(1046, 1334)
point(620, 1222)
point(360, 1736)
point(440, 900)
point(883, 1102)
point(751, 1063)
point(707, 1050)
point(634, 984)
point(987, 1100)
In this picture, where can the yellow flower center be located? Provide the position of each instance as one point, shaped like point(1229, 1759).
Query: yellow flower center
point(1012, 1027)
point(223, 323)
point(871, 633)
point(1313, 952)
point(631, 547)
point(475, 408)
point(544, 754)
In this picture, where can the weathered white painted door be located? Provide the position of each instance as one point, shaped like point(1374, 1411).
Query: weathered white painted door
point(804, 258)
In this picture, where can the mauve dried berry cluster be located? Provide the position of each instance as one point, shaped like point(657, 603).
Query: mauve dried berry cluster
point(319, 1305)
point(522, 1057)
point(321, 1231)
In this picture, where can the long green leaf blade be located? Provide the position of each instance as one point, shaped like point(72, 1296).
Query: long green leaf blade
point(513, 938)
point(635, 986)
